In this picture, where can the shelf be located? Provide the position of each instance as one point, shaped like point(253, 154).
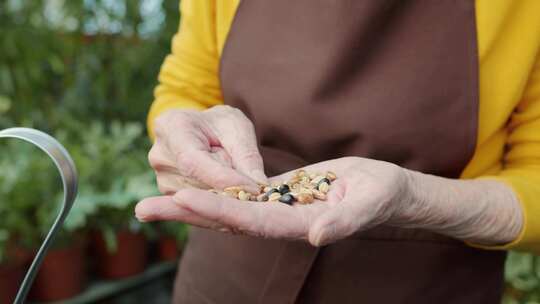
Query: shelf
point(106, 289)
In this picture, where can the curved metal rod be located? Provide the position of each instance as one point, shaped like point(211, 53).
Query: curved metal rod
point(65, 165)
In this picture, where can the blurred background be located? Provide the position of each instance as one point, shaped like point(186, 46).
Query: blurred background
point(84, 71)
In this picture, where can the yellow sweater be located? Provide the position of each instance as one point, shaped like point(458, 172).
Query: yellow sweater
point(508, 141)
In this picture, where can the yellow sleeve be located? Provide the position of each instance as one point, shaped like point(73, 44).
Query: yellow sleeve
point(521, 169)
point(189, 75)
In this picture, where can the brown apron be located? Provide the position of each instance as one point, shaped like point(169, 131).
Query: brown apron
point(393, 80)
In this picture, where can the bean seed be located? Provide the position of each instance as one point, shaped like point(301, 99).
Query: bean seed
point(284, 189)
point(319, 195)
point(324, 187)
point(305, 198)
point(243, 196)
point(233, 189)
point(287, 199)
point(262, 198)
point(274, 197)
point(272, 190)
point(331, 176)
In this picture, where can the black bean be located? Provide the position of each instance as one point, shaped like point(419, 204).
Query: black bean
point(287, 199)
point(271, 191)
point(284, 189)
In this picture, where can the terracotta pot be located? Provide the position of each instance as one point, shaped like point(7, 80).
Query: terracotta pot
point(11, 277)
point(12, 273)
point(62, 274)
point(168, 249)
point(129, 259)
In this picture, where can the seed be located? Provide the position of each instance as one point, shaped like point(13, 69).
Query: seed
point(274, 197)
point(319, 195)
point(230, 194)
point(305, 198)
point(243, 196)
point(272, 190)
point(323, 180)
point(262, 198)
point(267, 188)
point(233, 189)
point(307, 191)
point(317, 179)
point(284, 189)
point(300, 173)
point(294, 180)
point(324, 187)
point(331, 176)
point(213, 191)
point(287, 199)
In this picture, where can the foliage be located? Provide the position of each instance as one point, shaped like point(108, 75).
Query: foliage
point(82, 70)
point(523, 279)
point(28, 188)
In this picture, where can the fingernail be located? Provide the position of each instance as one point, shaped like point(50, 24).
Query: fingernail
point(141, 219)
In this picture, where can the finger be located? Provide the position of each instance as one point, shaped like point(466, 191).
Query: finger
point(160, 158)
point(200, 165)
point(273, 220)
point(170, 182)
point(162, 208)
point(237, 135)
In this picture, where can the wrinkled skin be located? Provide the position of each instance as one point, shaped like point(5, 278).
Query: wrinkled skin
point(361, 197)
point(217, 148)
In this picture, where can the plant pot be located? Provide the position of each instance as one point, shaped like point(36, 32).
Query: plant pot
point(11, 277)
point(168, 249)
point(62, 274)
point(12, 273)
point(129, 259)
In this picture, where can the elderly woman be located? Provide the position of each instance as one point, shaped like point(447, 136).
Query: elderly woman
point(427, 111)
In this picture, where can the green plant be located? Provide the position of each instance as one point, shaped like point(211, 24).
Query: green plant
point(29, 185)
point(523, 279)
point(116, 177)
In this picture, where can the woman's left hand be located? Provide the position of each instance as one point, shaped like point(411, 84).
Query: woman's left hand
point(366, 193)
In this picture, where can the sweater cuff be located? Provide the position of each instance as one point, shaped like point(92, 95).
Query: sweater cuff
point(528, 195)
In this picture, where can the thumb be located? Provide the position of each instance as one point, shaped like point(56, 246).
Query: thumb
point(249, 161)
point(237, 136)
point(244, 153)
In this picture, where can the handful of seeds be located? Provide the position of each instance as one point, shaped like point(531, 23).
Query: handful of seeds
point(302, 188)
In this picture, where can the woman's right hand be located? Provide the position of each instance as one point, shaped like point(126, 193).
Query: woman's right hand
point(215, 148)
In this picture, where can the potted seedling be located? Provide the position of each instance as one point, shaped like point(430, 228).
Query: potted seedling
point(22, 188)
point(13, 262)
point(121, 242)
point(119, 177)
point(63, 273)
point(32, 192)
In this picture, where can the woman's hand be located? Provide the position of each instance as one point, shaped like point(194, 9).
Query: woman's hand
point(366, 193)
point(215, 148)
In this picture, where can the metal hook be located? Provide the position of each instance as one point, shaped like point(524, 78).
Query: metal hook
point(65, 165)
